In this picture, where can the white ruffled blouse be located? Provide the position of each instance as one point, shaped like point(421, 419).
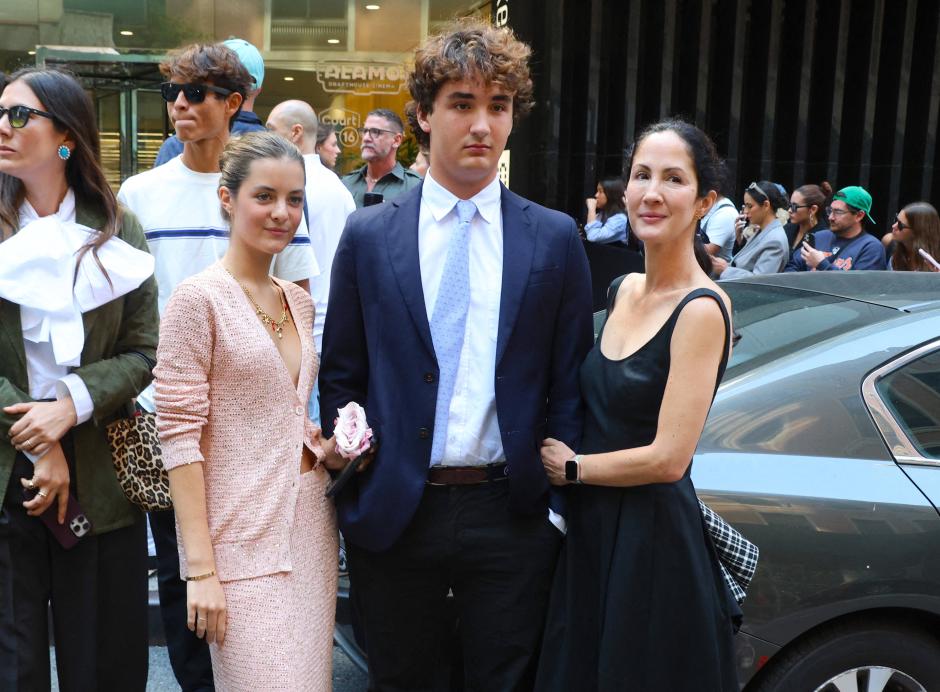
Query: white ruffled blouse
point(37, 267)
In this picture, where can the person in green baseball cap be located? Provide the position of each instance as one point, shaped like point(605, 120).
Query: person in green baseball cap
point(846, 245)
point(857, 198)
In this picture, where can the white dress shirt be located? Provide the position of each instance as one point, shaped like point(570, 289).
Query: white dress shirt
point(329, 203)
point(473, 436)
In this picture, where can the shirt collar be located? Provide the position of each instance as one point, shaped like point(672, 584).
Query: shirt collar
point(398, 171)
point(442, 201)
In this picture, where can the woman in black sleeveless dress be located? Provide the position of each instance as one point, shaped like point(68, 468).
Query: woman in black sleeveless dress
point(638, 601)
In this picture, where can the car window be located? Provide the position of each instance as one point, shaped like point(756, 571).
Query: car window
point(770, 321)
point(912, 393)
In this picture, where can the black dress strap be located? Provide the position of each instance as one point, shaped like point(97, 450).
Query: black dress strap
point(699, 293)
point(612, 291)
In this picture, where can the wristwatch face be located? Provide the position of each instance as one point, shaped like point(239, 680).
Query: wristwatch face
point(571, 470)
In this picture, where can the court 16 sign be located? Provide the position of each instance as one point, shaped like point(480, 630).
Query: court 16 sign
point(346, 123)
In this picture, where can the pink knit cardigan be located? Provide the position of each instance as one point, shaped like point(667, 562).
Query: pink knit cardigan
point(225, 398)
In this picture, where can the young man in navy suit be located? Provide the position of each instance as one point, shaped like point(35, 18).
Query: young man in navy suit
point(462, 314)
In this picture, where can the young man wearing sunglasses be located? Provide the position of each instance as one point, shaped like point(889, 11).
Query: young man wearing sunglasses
point(380, 138)
point(846, 246)
point(245, 120)
point(178, 206)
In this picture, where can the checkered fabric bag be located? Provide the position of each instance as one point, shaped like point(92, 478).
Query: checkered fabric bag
point(737, 556)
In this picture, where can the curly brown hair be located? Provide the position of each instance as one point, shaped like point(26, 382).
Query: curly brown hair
point(215, 63)
point(472, 49)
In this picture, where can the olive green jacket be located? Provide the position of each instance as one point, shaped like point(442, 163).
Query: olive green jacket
point(111, 372)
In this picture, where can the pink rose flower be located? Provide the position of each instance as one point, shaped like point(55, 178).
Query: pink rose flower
point(353, 434)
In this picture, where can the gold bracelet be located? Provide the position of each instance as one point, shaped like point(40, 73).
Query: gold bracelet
point(200, 577)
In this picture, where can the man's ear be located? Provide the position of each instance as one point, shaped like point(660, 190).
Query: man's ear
point(297, 133)
point(232, 102)
point(422, 118)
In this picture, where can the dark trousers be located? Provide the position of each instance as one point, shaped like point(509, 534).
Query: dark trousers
point(98, 592)
point(189, 655)
point(499, 567)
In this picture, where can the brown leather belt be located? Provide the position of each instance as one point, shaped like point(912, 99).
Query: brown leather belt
point(467, 475)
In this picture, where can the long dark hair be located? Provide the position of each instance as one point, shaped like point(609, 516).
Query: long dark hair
point(709, 170)
point(73, 112)
point(925, 226)
point(613, 190)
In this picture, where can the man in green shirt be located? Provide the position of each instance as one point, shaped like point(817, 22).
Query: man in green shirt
point(381, 137)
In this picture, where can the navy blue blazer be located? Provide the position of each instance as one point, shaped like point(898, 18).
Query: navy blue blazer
point(377, 351)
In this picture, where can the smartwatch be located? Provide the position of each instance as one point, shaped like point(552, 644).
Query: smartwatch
point(573, 469)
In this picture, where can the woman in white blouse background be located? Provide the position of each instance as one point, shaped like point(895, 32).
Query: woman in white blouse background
point(78, 334)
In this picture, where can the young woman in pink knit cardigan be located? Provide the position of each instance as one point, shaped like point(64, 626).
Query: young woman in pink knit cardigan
point(236, 363)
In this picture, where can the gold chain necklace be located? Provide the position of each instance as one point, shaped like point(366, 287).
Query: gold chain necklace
point(276, 326)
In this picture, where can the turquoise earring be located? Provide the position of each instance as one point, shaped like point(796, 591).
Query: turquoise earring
point(64, 152)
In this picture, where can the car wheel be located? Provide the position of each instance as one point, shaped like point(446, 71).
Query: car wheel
point(850, 657)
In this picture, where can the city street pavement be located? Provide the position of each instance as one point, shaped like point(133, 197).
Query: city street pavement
point(346, 677)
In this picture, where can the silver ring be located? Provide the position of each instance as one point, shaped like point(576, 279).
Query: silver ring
point(201, 620)
point(42, 494)
point(29, 443)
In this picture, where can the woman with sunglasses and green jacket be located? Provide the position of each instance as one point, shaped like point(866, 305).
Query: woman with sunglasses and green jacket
point(78, 336)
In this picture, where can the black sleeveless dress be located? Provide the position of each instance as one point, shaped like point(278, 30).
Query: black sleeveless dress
point(638, 601)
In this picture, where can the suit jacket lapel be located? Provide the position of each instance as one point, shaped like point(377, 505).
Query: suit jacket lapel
point(518, 249)
point(401, 235)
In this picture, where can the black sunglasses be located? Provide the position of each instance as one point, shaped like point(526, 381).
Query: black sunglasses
point(797, 207)
point(19, 115)
point(195, 93)
point(901, 225)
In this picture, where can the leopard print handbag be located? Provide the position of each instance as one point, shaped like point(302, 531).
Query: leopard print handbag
point(135, 450)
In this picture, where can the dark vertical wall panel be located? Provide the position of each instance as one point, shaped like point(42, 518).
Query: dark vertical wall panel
point(897, 149)
point(802, 91)
point(838, 88)
point(704, 60)
point(929, 188)
point(874, 55)
point(737, 86)
point(770, 87)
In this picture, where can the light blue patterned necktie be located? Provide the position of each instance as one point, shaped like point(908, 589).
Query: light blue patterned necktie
point(449, 321)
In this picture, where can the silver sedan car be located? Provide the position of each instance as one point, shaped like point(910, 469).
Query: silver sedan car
point(823, 447)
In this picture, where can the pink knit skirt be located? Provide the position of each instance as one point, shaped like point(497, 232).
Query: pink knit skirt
point(280, 626)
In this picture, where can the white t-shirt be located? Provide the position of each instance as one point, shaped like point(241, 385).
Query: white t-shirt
point(180, 213)
point(329, 202)
point(718, 224)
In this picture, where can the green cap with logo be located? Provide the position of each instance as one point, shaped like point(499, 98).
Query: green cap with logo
point(857, 197)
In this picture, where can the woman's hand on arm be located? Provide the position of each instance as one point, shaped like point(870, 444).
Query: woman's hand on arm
point(42, 424)
point(554, 456)
point(696, 350)
point(206, 613)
